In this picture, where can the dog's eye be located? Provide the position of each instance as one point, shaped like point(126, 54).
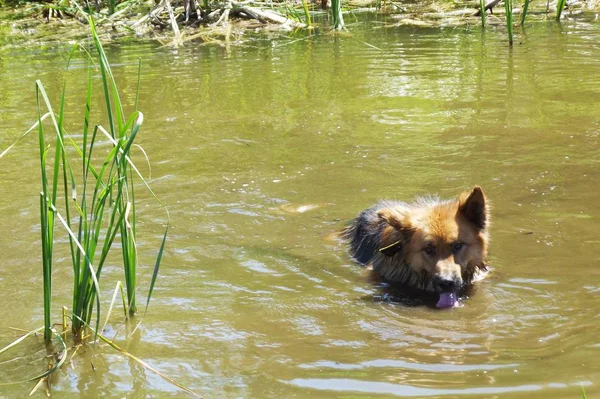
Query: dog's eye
point(429, 250)
point(457, 246)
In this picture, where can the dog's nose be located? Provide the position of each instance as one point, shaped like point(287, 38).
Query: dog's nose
point(446, 285)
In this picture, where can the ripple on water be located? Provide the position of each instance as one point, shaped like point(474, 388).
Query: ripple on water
point(349, 385)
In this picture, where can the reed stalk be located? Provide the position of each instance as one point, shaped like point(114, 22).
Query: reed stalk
point(307, 19)
point(560, 6)
point(509, 20)
point(525, 10)
point(482, 7)
point(336, 13)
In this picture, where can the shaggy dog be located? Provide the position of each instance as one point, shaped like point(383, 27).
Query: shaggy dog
point(430, 245)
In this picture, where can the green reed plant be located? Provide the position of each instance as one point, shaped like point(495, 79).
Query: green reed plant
point(48, 197)
point(104, 210)
point(482, 7)
point(113, 196)
point(525, 10)
point(307, 19)
point(336, 14)
point(94, 205)
point(560, 6)
point(292, 13)
point(509, 20)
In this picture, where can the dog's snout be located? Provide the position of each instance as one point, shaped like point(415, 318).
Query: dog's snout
point(446, 285)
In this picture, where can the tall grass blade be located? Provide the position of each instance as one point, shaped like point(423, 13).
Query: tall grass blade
point(560, 6)
point(156, 267)
point(66, 167)
point(509, 20)
point(46, 267)
point(307, 19)
point(525, 10)
point(124, 185)
point(336, 13)
point(45, 227)
point(96, 284)
point(83, 230)
point(50, 193)
point(168, 221)
point(20, 339)
point(482, 8)
point(118, 288)
point(107, 79)
point(35, 125)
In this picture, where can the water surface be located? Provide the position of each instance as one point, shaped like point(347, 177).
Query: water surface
point(261, 151)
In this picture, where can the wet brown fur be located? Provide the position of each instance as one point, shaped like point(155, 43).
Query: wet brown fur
point(425, 223)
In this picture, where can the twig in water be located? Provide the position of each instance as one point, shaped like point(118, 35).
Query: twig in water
point(156, 10)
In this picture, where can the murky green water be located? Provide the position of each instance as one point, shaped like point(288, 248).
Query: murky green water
point(254, 301)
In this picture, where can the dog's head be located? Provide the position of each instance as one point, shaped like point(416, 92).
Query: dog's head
point(444, 242)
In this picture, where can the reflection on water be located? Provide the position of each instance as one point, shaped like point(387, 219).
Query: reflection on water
point(262, 152)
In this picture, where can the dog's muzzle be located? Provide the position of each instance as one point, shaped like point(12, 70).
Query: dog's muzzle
point(441, 284)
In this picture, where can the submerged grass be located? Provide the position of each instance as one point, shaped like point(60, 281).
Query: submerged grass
point(60, 356)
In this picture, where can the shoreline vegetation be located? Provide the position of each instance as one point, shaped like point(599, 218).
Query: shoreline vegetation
point(175, 22)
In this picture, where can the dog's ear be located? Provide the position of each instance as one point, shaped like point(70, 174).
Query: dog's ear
point(472, 205)
point(390, 217)
point(394, 232)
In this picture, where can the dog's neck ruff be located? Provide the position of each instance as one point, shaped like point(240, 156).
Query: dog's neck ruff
point(396, 270)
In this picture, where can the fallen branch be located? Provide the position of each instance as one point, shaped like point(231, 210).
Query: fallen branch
point(270, 16)
point(224, 19)
point(488, 6)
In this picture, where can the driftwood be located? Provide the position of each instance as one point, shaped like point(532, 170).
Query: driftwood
point(253, 12)
point(488, 6)
point(267, 15)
